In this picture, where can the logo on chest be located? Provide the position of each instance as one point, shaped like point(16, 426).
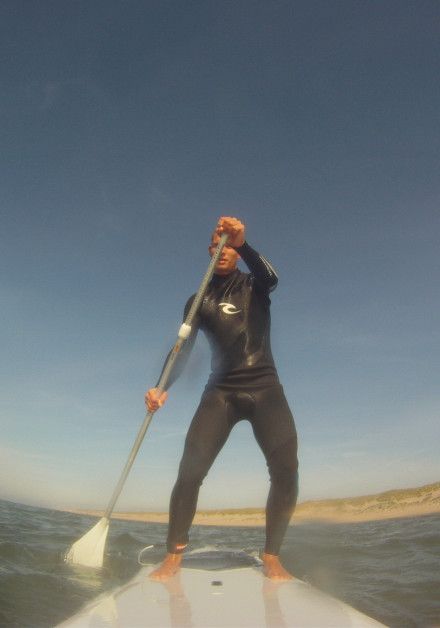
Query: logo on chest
point(228, 308)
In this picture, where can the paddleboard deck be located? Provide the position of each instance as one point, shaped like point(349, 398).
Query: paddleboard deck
point(217, 589)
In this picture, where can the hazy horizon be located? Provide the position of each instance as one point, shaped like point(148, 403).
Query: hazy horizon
point(225, 508)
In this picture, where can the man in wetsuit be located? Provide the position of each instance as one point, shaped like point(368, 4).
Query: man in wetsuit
point(235, 317)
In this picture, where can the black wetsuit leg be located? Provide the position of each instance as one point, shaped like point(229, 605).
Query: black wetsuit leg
point(206, 436)
point(274, 429)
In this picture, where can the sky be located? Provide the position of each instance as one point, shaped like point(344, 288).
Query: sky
point(127, 129)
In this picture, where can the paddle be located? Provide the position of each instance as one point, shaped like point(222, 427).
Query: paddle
point(89, 549)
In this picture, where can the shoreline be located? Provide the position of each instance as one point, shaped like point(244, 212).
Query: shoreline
point(394, 504)
point(256, 518)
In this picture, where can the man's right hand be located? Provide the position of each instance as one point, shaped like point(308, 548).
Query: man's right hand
point(154, 399)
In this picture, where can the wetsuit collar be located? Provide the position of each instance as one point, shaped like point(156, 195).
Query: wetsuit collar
point(219, 280)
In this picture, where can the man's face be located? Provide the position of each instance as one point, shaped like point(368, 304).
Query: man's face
point(229, 257)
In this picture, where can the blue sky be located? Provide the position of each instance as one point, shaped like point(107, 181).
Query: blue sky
point(127, 129)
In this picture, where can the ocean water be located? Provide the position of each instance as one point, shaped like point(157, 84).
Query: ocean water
point(389, 569)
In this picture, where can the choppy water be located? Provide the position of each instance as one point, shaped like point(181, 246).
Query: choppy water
point(387, 569)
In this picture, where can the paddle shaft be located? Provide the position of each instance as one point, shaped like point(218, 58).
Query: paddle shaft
point(167, 371)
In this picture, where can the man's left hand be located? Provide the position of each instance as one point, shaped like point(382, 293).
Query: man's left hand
point(234, 228)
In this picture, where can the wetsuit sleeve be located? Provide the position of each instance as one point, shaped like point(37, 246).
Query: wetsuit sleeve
point(185, 351)
point(260, 268)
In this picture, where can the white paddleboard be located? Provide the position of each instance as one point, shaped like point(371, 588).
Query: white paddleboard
point(217, 589)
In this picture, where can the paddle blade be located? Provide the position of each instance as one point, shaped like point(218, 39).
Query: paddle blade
point(89, 549)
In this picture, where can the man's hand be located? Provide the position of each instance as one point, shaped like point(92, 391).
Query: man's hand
point(154, 399)
point(234, 228)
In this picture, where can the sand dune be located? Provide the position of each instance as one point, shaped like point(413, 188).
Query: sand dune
point(391, 504)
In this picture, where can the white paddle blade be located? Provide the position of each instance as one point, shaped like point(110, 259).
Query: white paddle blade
point(89, 549)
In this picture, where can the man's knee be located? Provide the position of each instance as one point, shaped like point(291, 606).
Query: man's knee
point(283, 466)
point(285, 478)
point(192, 471)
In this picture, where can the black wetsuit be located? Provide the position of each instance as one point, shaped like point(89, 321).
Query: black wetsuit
point(235, 316)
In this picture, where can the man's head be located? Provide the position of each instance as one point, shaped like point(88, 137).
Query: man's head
point(229, 257)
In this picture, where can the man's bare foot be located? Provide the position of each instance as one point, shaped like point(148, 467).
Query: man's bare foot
point(168, 568)
point(273, 569)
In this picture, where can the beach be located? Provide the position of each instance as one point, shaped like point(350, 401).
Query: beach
point(424, 500)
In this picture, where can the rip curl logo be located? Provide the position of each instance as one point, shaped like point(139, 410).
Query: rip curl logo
point(228, 308)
